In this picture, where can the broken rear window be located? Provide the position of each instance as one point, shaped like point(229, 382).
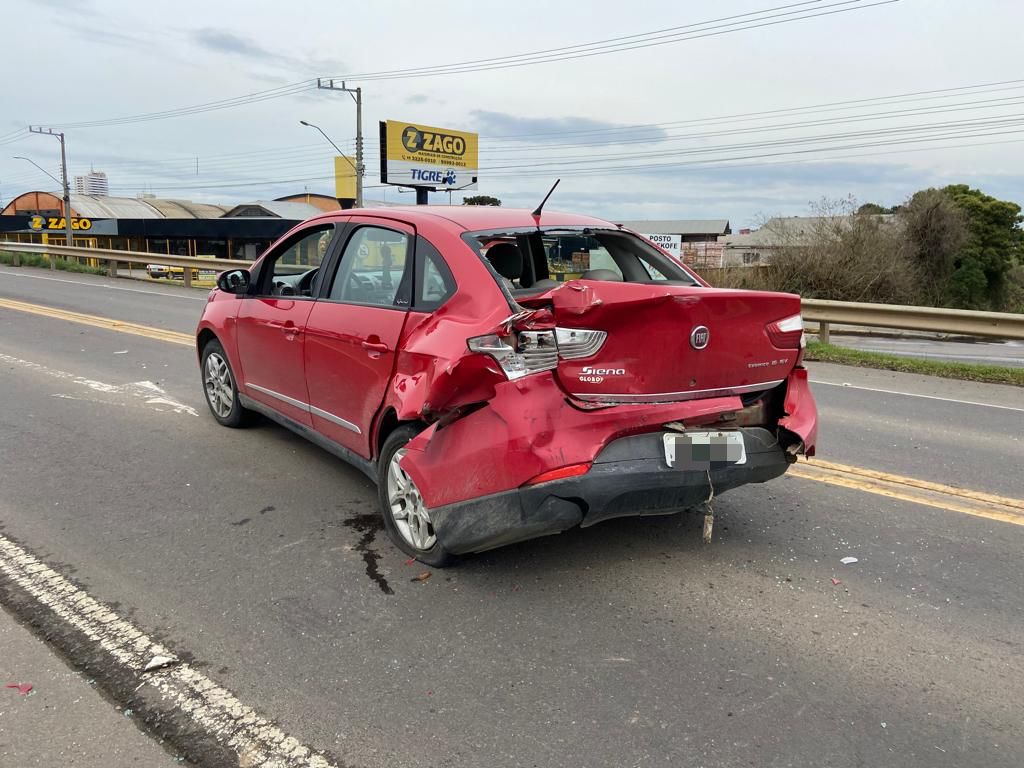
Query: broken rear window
point(530, 260)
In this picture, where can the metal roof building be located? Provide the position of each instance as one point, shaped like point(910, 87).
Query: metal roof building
point(692, 230)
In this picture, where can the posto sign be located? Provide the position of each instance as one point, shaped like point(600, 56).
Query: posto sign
point(58, 224)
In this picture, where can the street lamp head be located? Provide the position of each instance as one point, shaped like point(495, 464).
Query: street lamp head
point(305, 123)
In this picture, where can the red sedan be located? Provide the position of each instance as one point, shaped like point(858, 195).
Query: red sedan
point(503, 375)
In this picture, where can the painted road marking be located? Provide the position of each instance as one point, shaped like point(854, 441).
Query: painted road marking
point(104, 286)
point(151, 394)
point(174, 337)
point(215, 711)
point(968, 502)
point(914, 394)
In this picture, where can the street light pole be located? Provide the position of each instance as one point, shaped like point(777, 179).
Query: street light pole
point(357, 97)
point(68, 233)
point(355, 167)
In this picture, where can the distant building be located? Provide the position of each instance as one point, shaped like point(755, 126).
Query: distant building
point(752, 248)
point(93, 183)
point(690, 230)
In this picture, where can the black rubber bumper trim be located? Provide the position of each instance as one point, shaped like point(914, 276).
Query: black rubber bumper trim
point(628, 478)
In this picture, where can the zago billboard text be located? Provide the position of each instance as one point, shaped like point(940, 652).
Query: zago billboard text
point(424, 156)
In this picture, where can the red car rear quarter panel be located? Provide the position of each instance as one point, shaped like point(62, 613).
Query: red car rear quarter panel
point(801, 411)
point(527, 428)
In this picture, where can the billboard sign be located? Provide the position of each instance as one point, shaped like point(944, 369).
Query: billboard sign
point(344, 177)
point(419, 155)
point(671, 243)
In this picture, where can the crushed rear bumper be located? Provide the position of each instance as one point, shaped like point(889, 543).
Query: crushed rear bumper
point(629, 477)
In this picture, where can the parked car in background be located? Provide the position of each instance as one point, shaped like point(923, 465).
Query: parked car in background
point(157, 271)
point(502, 375)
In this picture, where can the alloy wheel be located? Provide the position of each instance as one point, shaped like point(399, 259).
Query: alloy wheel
point(220, 390)
point(407, 508)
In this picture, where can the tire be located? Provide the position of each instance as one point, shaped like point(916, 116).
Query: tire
point(397, 494)
point(220, 388)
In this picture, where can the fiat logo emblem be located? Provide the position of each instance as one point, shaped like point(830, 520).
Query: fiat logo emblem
point(699, 337)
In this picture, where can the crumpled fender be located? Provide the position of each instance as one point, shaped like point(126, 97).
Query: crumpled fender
point(801, 411)
point(436, 373)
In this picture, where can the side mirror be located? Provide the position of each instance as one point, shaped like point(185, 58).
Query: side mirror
point(234, 281)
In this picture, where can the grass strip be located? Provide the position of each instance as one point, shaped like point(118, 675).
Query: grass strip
point(993, 374)
point(64, 265)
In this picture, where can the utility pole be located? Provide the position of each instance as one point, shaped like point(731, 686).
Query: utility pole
point(68, 233)
point(357, 97)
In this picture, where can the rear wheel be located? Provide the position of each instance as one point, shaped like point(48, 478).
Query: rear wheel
point(220, 388)
point(406, 517)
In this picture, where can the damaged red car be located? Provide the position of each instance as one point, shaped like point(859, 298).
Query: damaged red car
point(503, 375)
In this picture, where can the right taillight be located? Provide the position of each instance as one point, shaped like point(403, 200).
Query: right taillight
point(787, 333)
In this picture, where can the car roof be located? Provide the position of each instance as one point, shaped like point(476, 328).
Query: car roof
point(475, 217)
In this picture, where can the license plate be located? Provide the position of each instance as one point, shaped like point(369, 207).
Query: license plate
point(704, 450)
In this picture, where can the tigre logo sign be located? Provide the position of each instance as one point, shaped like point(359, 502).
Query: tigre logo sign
point(417, 140)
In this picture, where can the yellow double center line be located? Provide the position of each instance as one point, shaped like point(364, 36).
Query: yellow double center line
point(976, 503)
point(174, 337)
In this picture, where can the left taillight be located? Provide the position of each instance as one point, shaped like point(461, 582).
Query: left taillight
point(787, 333)
point(521, 353)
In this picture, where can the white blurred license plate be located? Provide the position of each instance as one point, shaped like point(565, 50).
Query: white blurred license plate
point(704, 450)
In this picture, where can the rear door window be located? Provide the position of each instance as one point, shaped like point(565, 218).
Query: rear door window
point(373, 268)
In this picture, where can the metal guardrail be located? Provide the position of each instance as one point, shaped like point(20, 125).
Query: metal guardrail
point(113, 258)
point(1002, 325)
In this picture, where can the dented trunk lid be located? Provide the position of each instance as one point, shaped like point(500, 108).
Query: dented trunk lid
point(670, 342)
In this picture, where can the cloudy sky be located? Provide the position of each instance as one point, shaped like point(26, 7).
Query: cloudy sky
point(684, 115)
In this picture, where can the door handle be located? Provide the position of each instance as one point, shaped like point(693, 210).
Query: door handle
point(291, 329)
point(371, 346)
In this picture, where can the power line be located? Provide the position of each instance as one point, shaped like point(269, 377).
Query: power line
point(211, 106)
point(618, 47)
point(763, 17)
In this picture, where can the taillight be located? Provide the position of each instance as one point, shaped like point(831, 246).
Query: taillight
point(787, 333)
point(524, 352)
point(521, 354)
point(576, 343)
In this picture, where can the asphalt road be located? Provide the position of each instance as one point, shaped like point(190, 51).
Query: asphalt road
point(1009, 353)
point(627, 644)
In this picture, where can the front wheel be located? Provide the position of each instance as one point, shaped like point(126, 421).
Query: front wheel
point(406, 517)
point(220, 388)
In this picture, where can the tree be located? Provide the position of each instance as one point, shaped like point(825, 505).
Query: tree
point(935, 229)
point(992, 248)
point(872, 209)
point(481, 200)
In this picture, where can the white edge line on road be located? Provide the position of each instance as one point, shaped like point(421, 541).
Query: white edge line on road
point(914, 394)
point(104, 286)
point(194, 696)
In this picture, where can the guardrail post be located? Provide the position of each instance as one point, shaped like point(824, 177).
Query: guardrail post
point(187, 275)
point(823, 332)
point(112, 267)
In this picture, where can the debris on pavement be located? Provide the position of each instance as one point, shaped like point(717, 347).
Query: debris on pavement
point(159, 662)
point(23, 689)
point(836, 582)
point(410, 561)
point(848, 560)
point(421, 577)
